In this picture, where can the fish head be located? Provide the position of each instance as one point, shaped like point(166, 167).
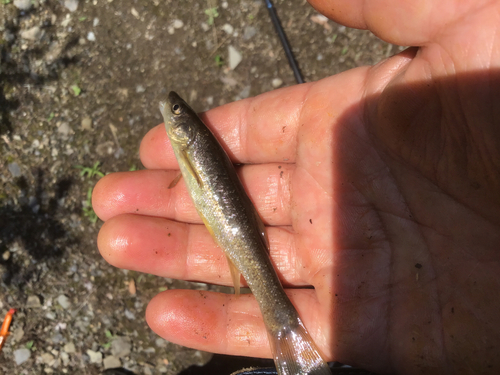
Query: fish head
point(178, 115)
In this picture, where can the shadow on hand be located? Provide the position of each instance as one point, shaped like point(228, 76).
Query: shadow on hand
point(416, 226)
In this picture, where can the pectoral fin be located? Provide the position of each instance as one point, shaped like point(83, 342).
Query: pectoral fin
point(262, 229)
point(235, 275)
point(189, 167)
point(175, 181)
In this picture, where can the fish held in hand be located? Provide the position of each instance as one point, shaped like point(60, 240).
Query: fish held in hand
point(236, 227)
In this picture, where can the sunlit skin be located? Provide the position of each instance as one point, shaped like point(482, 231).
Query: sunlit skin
point(379, 186)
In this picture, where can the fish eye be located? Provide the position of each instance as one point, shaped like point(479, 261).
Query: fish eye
point(176, 109)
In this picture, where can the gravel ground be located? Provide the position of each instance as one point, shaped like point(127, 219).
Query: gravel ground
point(78, 81)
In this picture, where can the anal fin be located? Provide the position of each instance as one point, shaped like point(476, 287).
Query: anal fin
point(235, 275)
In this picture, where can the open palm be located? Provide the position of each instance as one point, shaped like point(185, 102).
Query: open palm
point(379, 187)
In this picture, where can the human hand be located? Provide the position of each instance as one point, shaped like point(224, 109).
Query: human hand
point(379, 187)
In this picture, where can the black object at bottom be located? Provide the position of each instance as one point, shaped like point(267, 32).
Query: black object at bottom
point(225, 365)
point(117, 371)
point(337, 369)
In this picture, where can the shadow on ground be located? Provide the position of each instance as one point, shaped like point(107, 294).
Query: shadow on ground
point(35, 226)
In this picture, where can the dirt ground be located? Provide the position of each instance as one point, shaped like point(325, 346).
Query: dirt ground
point(78, 82)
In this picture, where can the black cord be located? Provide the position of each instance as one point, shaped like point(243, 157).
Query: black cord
point(284, 42)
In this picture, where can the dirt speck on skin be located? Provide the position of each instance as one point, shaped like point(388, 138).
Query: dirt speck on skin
point(78, 87)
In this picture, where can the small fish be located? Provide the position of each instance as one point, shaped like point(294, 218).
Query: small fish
point(236, 227)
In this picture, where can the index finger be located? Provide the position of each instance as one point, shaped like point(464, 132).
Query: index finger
point(261, 129)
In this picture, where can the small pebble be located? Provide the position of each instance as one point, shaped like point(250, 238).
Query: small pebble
point(234, 57)
point(87, 123)
point(95, 357)
point(177, 24)
point(14, 169)
point(69, 348)
point(48, 359)
point(91, 36)
point(64, 301)
point(131, 285)
point(17, 334)
point(205, 26)
point(228, 29)
point(129, 314)
point(71, 5)
point(111, 362)
point(64, 128)
point(120, 347)
point(277, 82)
point(50, 315)
point(65, 358)
point(161, 343)
point(65, 22)
point(57, 338)
point(21, 355)
point(245, 93)
point(193, 95)
point(34, 33)
point(249, 32)
point(23, 4)
point(33, 302)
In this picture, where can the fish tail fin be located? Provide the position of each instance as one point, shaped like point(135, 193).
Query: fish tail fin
point(295, 353)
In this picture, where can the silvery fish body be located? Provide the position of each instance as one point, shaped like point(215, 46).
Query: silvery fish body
point(233, 222)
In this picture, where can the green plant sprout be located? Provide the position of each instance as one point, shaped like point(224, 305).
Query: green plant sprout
point(87, 209)
point(218, 60)
point(212, 14)
point(110, 338)
point(76, 90)
point(30, 346)
point(91, 171)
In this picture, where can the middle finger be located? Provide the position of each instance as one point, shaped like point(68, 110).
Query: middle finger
point(146, 193)
point(184, 251)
